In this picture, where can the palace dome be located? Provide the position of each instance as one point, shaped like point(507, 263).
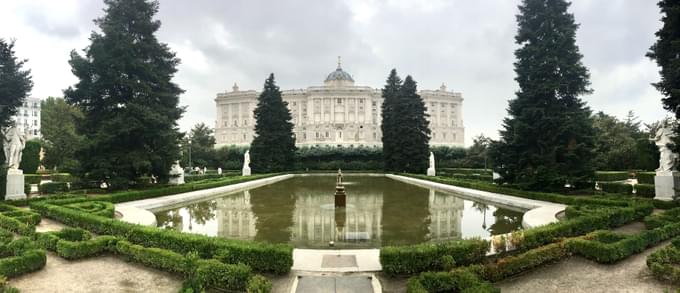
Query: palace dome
point(339, 76)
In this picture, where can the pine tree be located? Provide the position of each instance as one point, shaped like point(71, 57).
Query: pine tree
point(666, 53)
point(127, 96)
point(15, 83)
point(389, 126)
point(413, 133)
point(547, 139)
point(273, 147)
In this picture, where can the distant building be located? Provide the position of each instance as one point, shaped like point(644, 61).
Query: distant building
point(336, 113)
point(28, 118)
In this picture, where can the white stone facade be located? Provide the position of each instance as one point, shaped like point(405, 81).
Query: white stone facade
point(337, 113)
point(28, 118)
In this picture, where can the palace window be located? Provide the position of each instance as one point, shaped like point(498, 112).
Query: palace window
point(339, 101)
point(327, 135)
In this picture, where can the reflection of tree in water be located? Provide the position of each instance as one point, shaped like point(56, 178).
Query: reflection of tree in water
point(202, 211)
point(506, 221)
point(482, 208)
point(169, 219)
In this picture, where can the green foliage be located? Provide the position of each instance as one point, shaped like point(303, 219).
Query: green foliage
point(30, 157)
point(100, 208)
point(32, 178)
point(460, 280)
point(451, 157)
point(620, 188)
point(513, 265)
point(428, 257)
point(53, 187)
point(273, 147)
point(58, 129)
point(333, 158)
point(645, 177)
point(406, 132)
point(86, 248)
point(611, 175)
point(664, 262)
point(213, 273)
point(62, 177)
point(19, 226)
point(547, 138)
point(203, 151)
point(260, 256)
point(129, 102)
point(15, 83)
point(21, 256)
point(665, 52)
point(610, 247)
point(476, 156)
point(662, 219)
point(259, 284)
point(622, 145)
point(645, 190)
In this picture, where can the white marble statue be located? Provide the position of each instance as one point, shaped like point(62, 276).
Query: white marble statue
point(663, 138)
point(14, 143)
point(246, 164)
point(205, 170)
point(176, 174)
point(431, 170)
point(219, 170)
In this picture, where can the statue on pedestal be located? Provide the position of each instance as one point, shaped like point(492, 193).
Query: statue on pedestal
point(246, 164)
point(667, 159)
point(14, 142)
point(431, 170)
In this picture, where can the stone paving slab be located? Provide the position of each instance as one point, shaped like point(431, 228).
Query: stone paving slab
point(337, 284)
point(312, 260)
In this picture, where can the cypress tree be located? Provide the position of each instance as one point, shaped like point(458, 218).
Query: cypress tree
point(273, 147)
point(389, 126)
point(414, 132)
point(547, 139)
point(666, 53)
point(127, 96)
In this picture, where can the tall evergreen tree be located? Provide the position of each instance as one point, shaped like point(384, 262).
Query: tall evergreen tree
point(58, 127)
point(127, 96)
point(203, 151)
point(547, 139)
point(15, 83)
point(413, 133)
point(666, 53)
point(389, 126)
point(273, 148)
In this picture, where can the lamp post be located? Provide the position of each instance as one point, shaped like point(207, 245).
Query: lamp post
point(190, 156)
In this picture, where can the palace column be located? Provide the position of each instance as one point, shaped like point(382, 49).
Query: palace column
point(332, 110)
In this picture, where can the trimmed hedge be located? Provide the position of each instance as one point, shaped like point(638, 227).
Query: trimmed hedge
point(81, 249)
point(645, 190)
point(427, 257)
point(465, 171)
point(610, 247)
point(207, 273)
point(460, 280)
point(17, 226)
point(513, 265)
point(664, 262)
point(21, 256)
point(621, 188)
point(646, 177)
point(32, 178)
point(259, 284)
point(261, 257)
point(53, 187)
point(662, 219)
point(611, 175)
point(99, 208)
point(62, 177)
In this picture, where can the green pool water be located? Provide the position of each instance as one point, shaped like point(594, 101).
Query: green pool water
point(380, 211)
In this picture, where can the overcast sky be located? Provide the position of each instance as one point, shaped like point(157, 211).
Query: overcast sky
point(466, 44)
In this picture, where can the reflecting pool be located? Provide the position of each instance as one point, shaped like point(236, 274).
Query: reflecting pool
point(379, 211)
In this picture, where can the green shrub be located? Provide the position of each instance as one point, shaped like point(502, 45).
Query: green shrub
point(428, 257)
point(213, 273)
point(157, 258)
point(28, 261)
point(620, 188)
point(100, 208)
point(30, 156)
point(611, 176)
point(85, 248)
point(513, 265)
point(460, 280)
point(16, 225)
point(48, 240)
point(464, 171)
point(53, 187)
point(62, 177)
point(664, 262)
point(32, 178)
point(662, 219)
point(259, 284)
point(645, 177)
point(645, 190)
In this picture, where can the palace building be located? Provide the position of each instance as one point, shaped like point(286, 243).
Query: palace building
point(338, 113)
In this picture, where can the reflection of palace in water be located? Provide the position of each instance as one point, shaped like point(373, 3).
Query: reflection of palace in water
point(446, 215)
point(316, 221)
point(235, 217)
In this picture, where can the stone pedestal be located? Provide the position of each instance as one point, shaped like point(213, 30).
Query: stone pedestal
point(245, 171)
point(667, 185)
point(15, 185)
point(431, 172)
